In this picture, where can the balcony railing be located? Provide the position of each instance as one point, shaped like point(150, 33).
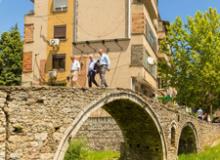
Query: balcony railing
point(142, 24)
point(151, 38)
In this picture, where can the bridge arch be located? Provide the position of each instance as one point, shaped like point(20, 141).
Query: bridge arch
point(132, 109)
point(188, 140)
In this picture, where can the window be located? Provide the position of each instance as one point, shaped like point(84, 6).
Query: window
point(60, 32)
point(28, 33)
point(59, 5)
point(152, 40)
point(59, 62)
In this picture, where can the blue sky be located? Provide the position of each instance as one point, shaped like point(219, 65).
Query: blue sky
point(12, 11)
point(170, 9)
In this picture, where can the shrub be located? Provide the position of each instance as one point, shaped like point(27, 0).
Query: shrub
point(78, 150)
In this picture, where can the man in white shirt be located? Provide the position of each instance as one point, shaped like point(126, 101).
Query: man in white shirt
point(75, 68)
point(92, 71)
point(200, 113)
point(104, 66)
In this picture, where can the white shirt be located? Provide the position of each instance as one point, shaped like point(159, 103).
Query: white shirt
point(104, 60)
point(200, 112)
point(92, 65)
point(75, 66)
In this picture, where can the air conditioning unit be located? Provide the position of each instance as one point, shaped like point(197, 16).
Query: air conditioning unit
point(52, 74)
point(61, 8)
point(54, 42)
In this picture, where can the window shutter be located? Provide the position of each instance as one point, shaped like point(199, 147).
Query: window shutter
point(27, 62)
point(60, 32)
point(28, 33)
point(60, 5)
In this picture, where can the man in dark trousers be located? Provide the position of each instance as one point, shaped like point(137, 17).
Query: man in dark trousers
point(92, 72)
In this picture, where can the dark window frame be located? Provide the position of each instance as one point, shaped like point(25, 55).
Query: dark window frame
point(150, 37)
point(60, 65)
point(59, 35)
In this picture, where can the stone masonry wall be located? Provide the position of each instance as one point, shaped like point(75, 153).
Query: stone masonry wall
point(102, 133)
point(34, 120)
point(38, 118)
point(2, 126)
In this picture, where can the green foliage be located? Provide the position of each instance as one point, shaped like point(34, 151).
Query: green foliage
point(11, 48)
point(79, 150)
point(165, 99)
point(103, 155)
point(194, 50)
point(209, 154)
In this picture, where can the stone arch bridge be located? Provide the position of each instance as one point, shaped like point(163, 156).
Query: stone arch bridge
point(37, 123)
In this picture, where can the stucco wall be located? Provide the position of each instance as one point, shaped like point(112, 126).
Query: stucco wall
point(102, 19)
point(39, 45)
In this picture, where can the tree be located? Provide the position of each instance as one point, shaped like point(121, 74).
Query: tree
point(194, 51)
point(11, 48)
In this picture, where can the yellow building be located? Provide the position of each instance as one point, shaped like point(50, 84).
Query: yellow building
point(51, 20)
point(127, 29)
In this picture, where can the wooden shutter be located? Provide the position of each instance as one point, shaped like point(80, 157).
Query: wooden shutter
point(60, 32)
point(28, 33)
point(27, 62)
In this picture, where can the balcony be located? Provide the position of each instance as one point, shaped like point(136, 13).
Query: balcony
point(151, 6)
point(142, 24)
point(140, 58)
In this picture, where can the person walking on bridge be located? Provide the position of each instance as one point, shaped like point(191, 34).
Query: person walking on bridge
point(75, 68)
point(104, 66)
point(92, 70)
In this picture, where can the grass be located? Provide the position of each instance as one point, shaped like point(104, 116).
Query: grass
point(103, 155)
point(208, 154)
point(79, 150)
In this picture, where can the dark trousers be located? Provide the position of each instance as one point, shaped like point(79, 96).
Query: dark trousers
point(91, 78)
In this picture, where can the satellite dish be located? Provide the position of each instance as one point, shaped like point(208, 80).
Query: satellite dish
point(150, 60)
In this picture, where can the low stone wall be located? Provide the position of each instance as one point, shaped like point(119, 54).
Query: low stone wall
point(208, 135)
point(2, 126)
point(102, 133)
point(2, 136)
